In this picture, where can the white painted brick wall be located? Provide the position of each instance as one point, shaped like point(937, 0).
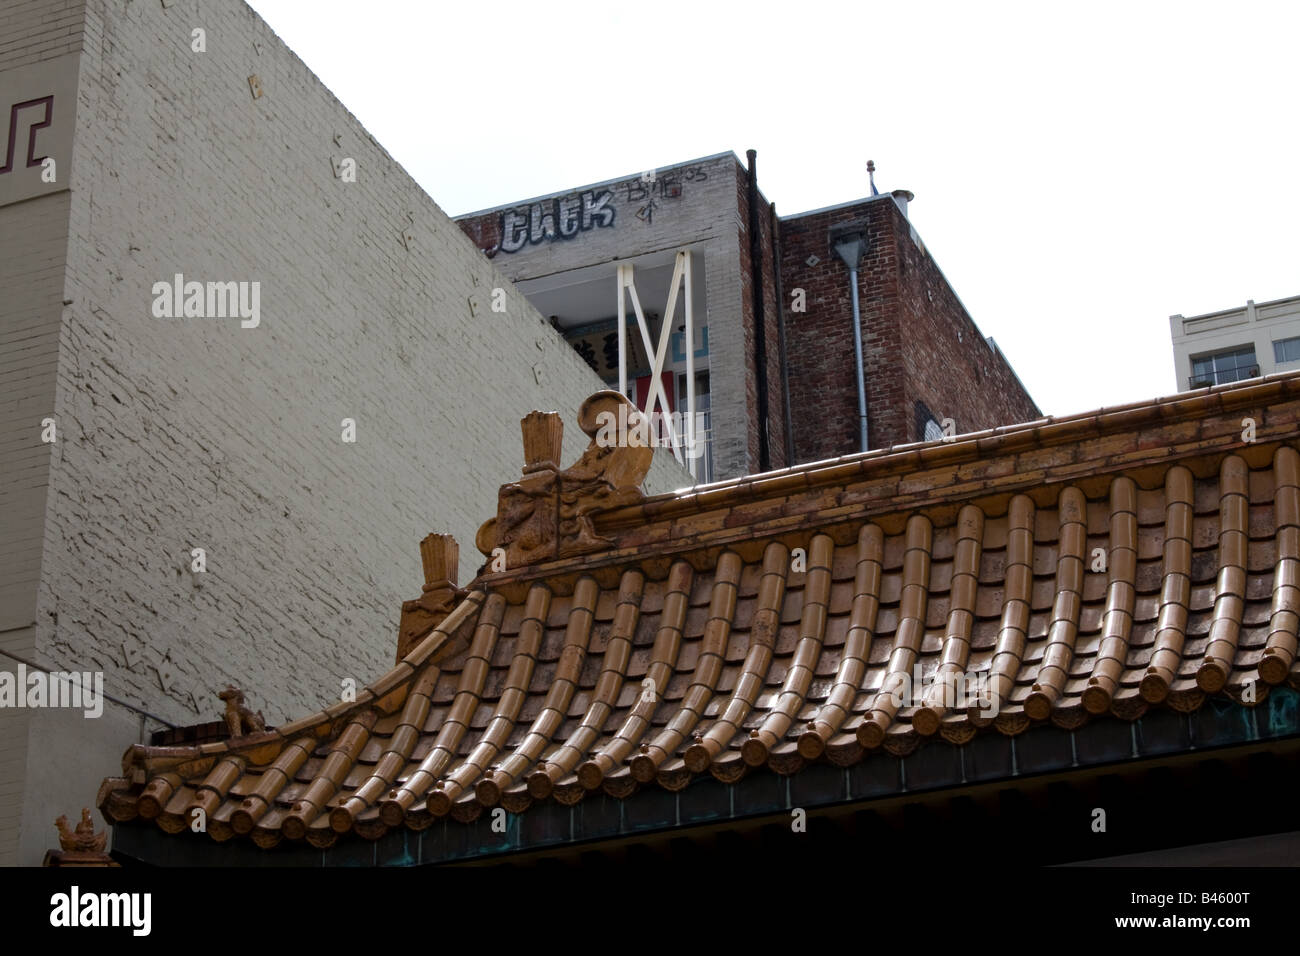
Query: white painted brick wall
point(182, 433)
point(36, 30)
point(33, 246)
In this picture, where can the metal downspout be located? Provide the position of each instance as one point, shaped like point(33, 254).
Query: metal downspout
point(760, 325)
point(780, 335)
point(857, 354)
point(850, 248)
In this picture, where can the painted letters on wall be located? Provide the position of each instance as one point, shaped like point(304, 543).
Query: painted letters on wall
point(561, 218)
point(37, 122)
point(567, 217)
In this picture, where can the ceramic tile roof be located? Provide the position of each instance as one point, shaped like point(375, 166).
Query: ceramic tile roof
point(1087, 567)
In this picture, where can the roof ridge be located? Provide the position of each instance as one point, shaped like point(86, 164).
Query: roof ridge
point(979, 445)
point(383, 694)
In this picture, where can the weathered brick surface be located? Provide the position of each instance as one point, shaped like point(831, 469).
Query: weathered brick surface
point(772, 350)
point(36, 30)
point(33, 245)
point(920, 347)
point(195, 432)
point(822, 385)
point(950, 367)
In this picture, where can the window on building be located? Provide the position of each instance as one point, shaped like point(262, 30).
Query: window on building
point(1219, 368)
point(1287, 350)
point(928, 426)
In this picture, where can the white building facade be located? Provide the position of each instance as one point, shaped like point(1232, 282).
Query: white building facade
point(1235, 344)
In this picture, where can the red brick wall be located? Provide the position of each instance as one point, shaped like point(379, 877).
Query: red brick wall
point(919, 344)
point(775, 398)
point(950, 367)
point(484, 231)
point(823, 389)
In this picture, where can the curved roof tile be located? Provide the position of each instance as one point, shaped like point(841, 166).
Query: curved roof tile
point(1049, 573)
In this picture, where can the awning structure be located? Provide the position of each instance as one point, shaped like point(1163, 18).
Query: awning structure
point(829, 623)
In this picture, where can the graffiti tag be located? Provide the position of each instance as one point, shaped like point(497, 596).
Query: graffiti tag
point(552, 219)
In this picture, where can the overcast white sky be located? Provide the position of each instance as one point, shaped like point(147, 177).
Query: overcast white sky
point(1081, 172)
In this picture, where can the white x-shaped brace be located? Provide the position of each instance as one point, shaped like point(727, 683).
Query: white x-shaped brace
point(656, 396)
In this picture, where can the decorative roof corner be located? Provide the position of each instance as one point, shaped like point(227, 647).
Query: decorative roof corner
point(439, 554)
point(548, 513)
point(79, 846)
point(241, 720)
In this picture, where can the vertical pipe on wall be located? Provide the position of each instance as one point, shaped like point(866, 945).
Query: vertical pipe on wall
point(692, 451)
point(857, 350)
point(775, 227)
point(849, 246)
point(622, 331)
point(760, 326)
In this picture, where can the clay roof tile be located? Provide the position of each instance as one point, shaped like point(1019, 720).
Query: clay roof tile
point(1055, 572)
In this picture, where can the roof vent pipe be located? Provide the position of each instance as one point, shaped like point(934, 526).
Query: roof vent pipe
point(903, 197)
point(850, 248)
